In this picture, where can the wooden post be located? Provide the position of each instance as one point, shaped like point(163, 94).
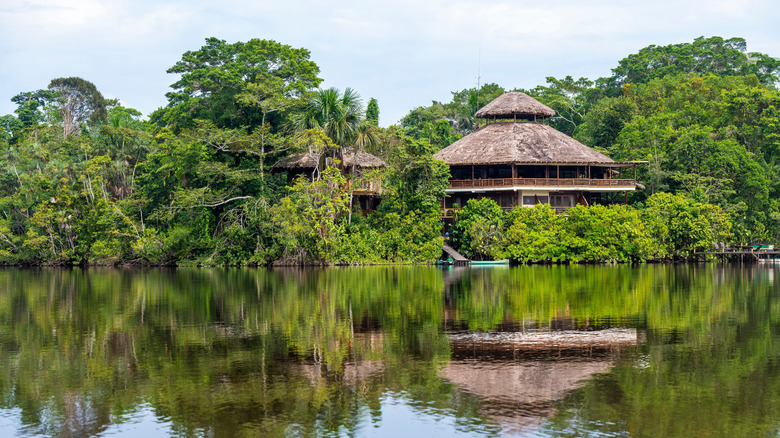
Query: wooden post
point(472, 171)
point(514, 171)
point(634, 172)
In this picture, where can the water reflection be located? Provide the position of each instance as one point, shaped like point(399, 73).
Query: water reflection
point(518, 375)
point(548, 351)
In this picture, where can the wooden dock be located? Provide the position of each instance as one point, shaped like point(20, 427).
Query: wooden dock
point(456, 256)
point(742, 252)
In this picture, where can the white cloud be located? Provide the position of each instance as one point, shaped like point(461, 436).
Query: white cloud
point(92, 22)
point(405, 53)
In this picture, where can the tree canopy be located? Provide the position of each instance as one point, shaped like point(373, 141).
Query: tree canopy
point(78, 101)
point(216, 76)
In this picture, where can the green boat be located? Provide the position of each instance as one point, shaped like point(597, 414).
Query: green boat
point(489, 262)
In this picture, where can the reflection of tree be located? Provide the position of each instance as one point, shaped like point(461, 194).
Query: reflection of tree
point(82, 349)
point(708, 368)
point(221, 350)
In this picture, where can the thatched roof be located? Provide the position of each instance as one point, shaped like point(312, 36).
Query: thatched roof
point(517, 395)
point(522, 382)
point(351, 158)
point(515, 105)
point(520, 143)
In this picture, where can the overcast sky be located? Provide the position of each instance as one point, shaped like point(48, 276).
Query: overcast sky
point(403, 53)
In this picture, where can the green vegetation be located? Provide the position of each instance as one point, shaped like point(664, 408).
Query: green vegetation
point(84, 180)
point(670, 227)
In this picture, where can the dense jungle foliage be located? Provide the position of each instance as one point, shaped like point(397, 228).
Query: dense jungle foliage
point(85, 180)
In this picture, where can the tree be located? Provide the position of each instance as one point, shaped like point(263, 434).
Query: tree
point(216, 77)
point(477, 231)
point(724, 57)
point(30, 106)
point(372, 112)
point(339, 117)
point(466, 103)
point(571, 99)
point(79, 101)
point(415, 180)
point(336, 114)
point(684, 225)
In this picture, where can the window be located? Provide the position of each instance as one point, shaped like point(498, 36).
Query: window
point(529, 200)
point(543, 199)
point(562, 200)
point(505, 201)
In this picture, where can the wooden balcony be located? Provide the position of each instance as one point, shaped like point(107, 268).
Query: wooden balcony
point(365, 187)
point(542, 182)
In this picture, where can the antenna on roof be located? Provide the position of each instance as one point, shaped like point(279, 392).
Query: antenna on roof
point(479, 65)
point(479, 76)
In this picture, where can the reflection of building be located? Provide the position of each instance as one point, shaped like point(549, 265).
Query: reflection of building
point(516, 160)
point(356, 368)
point(545, 340)
point(519, 395)
point(519, 375)
point(356, 165)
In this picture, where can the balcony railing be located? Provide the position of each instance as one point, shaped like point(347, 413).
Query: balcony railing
point(364, 187)
point(540, 182)
point(450, 212)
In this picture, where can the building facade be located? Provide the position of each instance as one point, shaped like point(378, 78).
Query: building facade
point(517, 160)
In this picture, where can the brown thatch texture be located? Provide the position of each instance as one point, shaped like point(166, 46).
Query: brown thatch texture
point(522, 382)
point(509, 142)
point(538, 340)
point(515, 104)
point(352, 157)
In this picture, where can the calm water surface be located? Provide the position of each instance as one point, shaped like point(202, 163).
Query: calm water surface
point(391, 351)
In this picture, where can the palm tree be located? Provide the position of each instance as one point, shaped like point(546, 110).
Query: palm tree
point(339, 116)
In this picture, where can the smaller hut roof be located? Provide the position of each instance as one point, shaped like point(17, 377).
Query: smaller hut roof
point(352, 157)
point(515, 105)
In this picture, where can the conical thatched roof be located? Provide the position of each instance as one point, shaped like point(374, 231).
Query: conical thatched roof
point(352, 157)
point(515, 105)
point(509, 142)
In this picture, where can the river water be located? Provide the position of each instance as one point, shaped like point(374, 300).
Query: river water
point(539, 351)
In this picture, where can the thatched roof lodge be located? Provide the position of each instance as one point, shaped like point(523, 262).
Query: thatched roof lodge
point(352, 159)
point(517, 160)
point(354, 163)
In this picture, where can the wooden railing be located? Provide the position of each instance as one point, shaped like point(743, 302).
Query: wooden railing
point(451, 211)
point(540, 182)
point(364, 187)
